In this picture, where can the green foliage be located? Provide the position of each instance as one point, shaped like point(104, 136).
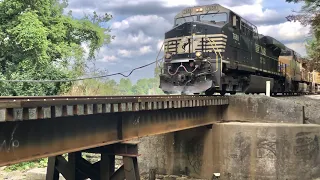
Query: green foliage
point(24, 166)
point(310, 15)
point(105, 86)
point(110, 87)
point(146, 86)
point(313, 51)
point(37, 41)
point(91, 157)
point(125, 87)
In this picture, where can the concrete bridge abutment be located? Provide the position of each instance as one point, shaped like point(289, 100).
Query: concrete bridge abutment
point(256, 138)
point(266, 151)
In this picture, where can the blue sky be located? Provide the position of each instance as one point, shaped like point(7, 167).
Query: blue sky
point(139, 27)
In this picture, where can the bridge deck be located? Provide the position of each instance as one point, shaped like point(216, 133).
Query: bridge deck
point(31, 108)
point(36, 127)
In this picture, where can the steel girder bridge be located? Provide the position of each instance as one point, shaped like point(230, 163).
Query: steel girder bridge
point(38, 127)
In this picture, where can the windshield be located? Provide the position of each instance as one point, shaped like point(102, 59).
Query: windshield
point(214, 18)
point(185, 19)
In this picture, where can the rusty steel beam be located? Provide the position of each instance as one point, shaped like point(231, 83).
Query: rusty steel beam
point(128, 148)
point(77, 168)
point(32, 139)
point(34, 108)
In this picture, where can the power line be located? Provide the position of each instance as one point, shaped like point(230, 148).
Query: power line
point(80, 79)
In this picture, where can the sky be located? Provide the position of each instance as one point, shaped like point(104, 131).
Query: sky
point(139, 27)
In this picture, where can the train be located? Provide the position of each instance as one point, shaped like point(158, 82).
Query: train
point(211, 49)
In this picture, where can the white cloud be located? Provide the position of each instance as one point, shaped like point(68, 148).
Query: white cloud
point(145, 50)
point(124, 24)
point(160, 45)
point(124, 53)
point(135, 52)
point(288, 31)
point(231, 3)
point(140, 38)
point(139, 35)
point(144, 19)
point(168, 3)
point(172, 3)
point(254, 12)
point(298, 47)
point(109, 58)
point(152, 25)
point(132, 40)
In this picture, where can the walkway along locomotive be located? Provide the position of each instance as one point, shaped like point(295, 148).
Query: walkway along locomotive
point(211, 49)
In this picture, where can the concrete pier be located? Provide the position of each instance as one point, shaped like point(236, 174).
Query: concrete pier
point(266, 151)
point(186, 152)
point(237, 151)
point(260, 138)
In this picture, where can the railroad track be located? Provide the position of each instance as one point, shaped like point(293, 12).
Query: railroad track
point(38, 107)
point(112, 99)
point(14, 108)
point(120, 97)
point(13, 98)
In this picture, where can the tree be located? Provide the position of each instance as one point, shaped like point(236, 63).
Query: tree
point(37, 41)
point(147, 86)
point(310, 15)
point(125, 86)
point(308, 12)
point(313, 51)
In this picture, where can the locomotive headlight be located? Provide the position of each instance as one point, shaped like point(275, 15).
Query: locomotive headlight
point(168, 56)
point(198, 54)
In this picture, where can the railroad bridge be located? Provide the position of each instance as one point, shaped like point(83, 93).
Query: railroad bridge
point(37, 127)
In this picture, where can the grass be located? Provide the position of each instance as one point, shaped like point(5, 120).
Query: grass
point(42, 163)
point(24, 166)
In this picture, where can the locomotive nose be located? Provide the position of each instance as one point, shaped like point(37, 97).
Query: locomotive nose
point(193, 51)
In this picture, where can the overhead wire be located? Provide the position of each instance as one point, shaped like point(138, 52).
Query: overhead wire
point(84, 78)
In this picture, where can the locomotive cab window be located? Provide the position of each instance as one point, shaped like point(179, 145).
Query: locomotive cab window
point(217, 18)
point(182, 20)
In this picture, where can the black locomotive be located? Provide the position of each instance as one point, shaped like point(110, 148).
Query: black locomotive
point(212, 49)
